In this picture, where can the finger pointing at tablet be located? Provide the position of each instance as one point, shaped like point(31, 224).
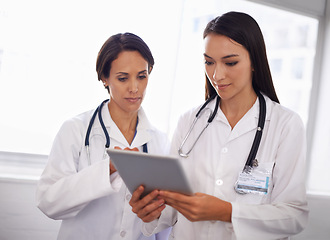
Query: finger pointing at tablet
point(112, 167)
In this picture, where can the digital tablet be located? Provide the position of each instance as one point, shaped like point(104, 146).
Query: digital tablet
point(150, 170)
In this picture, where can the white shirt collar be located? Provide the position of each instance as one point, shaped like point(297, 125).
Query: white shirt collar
point(248, 122)
point(143, 129)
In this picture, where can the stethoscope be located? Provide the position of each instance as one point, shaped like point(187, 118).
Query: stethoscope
point(185, 155)
point(107, 144)
point(251, 160)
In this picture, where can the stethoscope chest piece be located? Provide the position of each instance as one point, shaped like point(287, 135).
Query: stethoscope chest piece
point(255, 163)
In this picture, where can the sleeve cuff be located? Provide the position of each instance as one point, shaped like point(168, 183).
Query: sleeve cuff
point(116, 181)
point(150, 228)
point(234, 217)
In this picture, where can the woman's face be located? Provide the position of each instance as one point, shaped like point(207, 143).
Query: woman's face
point(127, 81)
point(227, 66)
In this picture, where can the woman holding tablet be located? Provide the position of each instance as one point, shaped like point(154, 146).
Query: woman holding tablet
point(247, 167)
point(79, 185)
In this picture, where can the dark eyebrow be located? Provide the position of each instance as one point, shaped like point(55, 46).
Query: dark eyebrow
point(144, 71)
point(124, 73)
point(228, 56)
point(205, 55)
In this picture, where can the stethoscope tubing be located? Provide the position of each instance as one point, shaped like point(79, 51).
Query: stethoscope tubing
point(91, 122)
point(251, 161)
point(98, 112)
point(210, 119)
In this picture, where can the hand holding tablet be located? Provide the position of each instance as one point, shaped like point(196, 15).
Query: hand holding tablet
point(150, 170)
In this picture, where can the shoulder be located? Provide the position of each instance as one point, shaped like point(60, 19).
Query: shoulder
point(156, 133)
point(283, 117)
point(191, 113)
point(77, 123)
point(145, 124)
point(203, 110)
point(158, 139)
point(72, 132)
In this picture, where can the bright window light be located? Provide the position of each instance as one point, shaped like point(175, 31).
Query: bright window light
point(48, 52)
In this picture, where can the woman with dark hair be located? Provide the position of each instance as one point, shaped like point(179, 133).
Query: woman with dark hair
point(251, 38)
point(79, 185)
point(247, 167)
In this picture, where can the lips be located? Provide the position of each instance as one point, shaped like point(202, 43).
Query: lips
point(133, 100)
point(222, 86)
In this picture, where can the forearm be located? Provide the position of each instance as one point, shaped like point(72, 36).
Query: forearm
point(66, 196)
point(269, 221)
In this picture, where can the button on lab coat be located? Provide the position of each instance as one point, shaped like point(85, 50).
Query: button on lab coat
point(220, 155)
point(91, 204)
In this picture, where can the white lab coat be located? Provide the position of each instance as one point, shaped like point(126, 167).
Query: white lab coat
point(215, 162)
point(91, 204)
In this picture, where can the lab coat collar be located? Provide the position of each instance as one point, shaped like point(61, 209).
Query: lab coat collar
point(143, 129)
point(248, 122)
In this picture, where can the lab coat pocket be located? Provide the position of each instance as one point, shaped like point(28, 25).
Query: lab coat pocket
point(263, 171)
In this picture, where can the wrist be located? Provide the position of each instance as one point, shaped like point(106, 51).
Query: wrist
point(224, 211)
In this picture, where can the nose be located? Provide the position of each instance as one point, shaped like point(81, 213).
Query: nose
point(133, 86)
point(219, 72)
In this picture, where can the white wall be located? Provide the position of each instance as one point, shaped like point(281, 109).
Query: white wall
point(318, 226)
point(19, 216)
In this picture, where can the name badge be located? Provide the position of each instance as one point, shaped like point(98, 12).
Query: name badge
point(252, 183)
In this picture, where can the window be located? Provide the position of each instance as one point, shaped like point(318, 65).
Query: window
point(47, 61)
point(48, 53)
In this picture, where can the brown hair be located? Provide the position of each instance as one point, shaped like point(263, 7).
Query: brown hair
point(115, 45)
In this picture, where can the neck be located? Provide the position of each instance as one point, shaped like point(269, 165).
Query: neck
point(126, 122)
point(235, 108)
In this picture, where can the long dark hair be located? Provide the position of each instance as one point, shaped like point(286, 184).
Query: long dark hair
point(243, 29)
point(115, 45)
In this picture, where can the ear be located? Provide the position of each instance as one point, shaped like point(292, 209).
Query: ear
point(150, 69)
point(104, 81)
